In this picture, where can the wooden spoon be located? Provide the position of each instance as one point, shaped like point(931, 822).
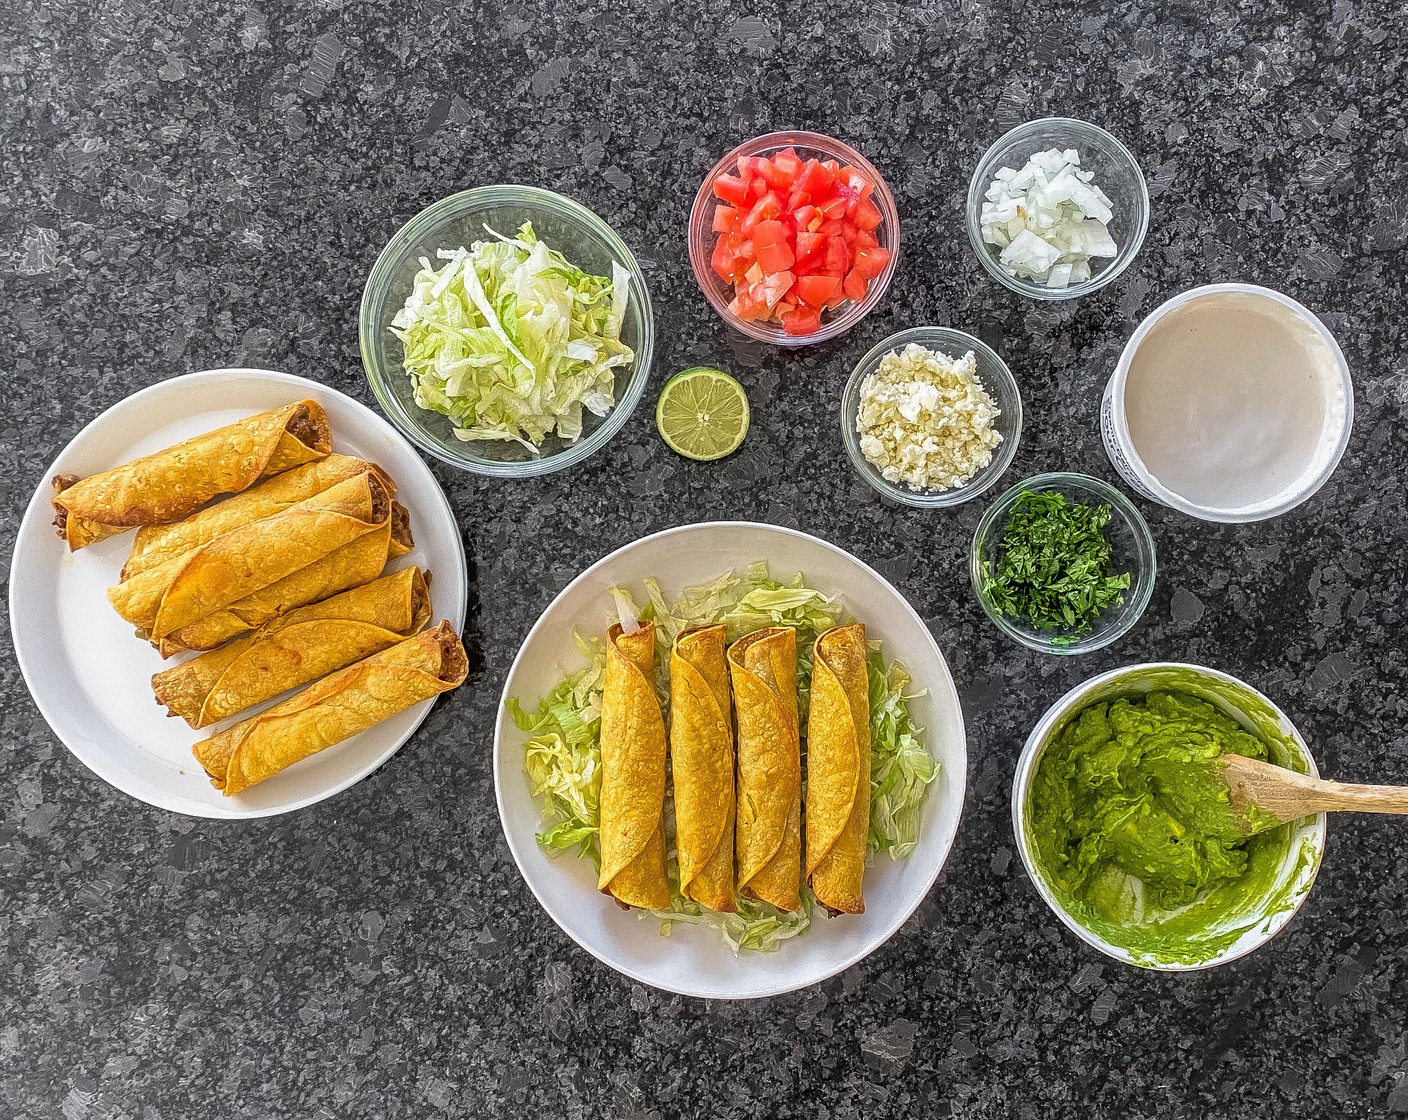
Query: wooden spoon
point(1282, 795)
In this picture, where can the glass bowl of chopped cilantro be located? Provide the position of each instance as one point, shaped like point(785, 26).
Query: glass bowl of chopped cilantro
point(931, 417)
point(1063, 563)
point(507, 330)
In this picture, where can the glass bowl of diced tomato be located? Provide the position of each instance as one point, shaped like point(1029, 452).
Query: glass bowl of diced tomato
point(793, 237)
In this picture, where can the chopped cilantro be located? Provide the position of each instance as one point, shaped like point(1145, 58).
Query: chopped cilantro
point(1053, 565)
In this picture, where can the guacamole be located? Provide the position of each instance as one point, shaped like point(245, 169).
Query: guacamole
point(1133, 828)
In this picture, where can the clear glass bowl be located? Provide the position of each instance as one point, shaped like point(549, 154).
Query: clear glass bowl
point(1116, 173)
point(701, 237)
point(459, 220)
point(1132, 551)
point(992, 374)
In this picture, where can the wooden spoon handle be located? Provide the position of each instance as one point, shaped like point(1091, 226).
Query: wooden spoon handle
point(1334, 796)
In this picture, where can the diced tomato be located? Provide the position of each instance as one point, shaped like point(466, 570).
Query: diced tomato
point(725, 219)
point(777, 257)
point(816, 180)
point(768, 207)
point(837, 256)
point(832, 227)
point(775, 286)
point(797, 199)
point(788, 165)
point(732, 189)
point(775, 176)
point(745, 308)
point(871, 262)
point(808, 217)
point(722, 260)
point(867, 215)
point(818, 289)
point(832, 166)
point(834, 207)
point(809, 244)
point(855, 286)
point(849, 231)
point(803, 321)
point(864, 239)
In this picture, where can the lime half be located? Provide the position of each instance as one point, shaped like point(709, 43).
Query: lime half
point(702, 413)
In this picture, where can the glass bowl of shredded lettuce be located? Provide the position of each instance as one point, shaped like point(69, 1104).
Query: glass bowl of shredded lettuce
point(507, 330)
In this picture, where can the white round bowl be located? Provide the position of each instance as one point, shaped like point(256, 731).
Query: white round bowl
point(1249, 708)
point(693, 960)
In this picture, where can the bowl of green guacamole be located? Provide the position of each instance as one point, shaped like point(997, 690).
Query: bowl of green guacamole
point(1122, 821)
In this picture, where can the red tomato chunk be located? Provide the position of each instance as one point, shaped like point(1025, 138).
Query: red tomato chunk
point(796, 237)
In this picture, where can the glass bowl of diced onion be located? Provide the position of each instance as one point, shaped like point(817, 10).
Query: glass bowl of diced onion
point(990, 372)
point(1045, 212)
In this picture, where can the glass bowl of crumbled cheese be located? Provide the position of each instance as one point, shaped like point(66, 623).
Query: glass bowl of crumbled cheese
point(931, 417)
point(1057, 208)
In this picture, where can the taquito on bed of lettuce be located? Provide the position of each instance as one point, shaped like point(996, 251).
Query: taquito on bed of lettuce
point(838, 769)
point(763, 666)
point(632, 802)
point(335, 708)
point(296, 648)
point(349, 566)
point(156, 544)
point(701, 759)
point(175, 482)
point(223, 571)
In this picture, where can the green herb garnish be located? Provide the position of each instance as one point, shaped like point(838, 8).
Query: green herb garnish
point(1054, 565)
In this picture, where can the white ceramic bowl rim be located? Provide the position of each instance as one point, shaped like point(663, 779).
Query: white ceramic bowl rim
point(1309, 483)
point(1026, 769)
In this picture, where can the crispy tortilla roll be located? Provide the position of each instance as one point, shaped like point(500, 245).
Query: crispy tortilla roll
point(245, 560)
point(298, 647)
point(336, 708)
point(838, 770)
point(701, 759)
point(178, 481)
point(769, 827)
point(349, 566)
point(632, 773)
point(156, 544)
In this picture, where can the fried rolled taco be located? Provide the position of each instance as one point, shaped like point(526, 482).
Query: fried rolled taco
point(701, 759)
point(838, 770)
point(296, 648)
point(178, 481)
point(156, 544)
point(349, 566)
point(245, 560)
point(336, 708)
point(763, 666)
point(632, 773)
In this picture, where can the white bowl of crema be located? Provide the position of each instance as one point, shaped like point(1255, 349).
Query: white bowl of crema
point(1231, 403)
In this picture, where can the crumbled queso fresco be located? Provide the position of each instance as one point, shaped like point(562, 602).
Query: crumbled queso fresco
point(924, 419)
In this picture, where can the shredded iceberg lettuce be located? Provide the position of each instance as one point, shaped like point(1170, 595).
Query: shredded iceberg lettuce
point(511, 342)
point(563, 753)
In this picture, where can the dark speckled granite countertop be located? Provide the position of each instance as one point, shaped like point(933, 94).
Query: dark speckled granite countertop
point(193, 185)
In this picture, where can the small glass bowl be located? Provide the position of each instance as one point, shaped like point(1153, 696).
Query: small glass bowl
point(1132, 551)
point(459, 220)
point(1116, 173)
point(994, 376)
point(701, 237)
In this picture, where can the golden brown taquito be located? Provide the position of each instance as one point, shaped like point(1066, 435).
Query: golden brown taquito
point(350, 566)
point(335, 708)
point(156, 544)
point(632, 773)
point(175, 482)
point(701, 760)
point(838, 770)
point(296, 648)
point(763, 666)
point(238, 563)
